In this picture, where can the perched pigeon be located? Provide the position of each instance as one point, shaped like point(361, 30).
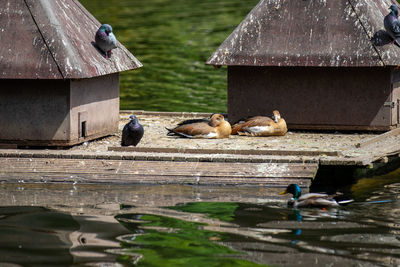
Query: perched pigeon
point(105, 39)
point(132, 133)
point(381, 38)
point(392, 24)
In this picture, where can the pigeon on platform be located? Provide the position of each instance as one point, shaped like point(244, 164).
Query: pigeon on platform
point(132, 133)
point(105, 39)
point(392, 24)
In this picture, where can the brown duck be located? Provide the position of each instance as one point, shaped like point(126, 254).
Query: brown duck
point(261, 126)
point(215, 127)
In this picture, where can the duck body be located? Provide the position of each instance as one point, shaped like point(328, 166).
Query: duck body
point(314, 200)
point(105, 39)
point(132, 132)
point(214, 128)
point(311, 199)
point(261, 126)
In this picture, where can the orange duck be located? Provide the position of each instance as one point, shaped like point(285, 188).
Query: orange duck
point(261, 126)
point(215, 127)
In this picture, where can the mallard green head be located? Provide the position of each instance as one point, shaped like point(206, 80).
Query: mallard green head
point(292, 189)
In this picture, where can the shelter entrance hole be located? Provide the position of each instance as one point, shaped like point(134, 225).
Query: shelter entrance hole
point(82, 124)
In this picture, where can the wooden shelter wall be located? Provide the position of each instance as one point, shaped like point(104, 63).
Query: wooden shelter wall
point(95, 101)
point(34, 110)
point(312, 96)
point(396, 102)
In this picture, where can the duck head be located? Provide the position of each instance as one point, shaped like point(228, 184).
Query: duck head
point(216, 120)
point(292, 189)
point(276, 116)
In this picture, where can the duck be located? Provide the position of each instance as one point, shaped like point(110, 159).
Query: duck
point(132, 132)
point(309, 200)
point(261, 126)
point(214, 128)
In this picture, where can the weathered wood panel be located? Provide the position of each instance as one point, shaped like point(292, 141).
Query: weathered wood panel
point(308, 33)
point(371, 14)
point(312, 96)
point(125, 171)
point(23, 52)
point(378, 138)
point(54, 40)
point(69, 32)
point(226, 151)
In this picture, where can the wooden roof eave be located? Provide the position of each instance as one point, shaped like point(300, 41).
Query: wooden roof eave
point(44, 39)
point(239, 49)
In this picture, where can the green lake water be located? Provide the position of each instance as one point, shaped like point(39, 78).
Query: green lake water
point(177, 225)
point(173, 39)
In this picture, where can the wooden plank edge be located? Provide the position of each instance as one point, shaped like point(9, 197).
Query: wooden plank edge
point(142, 157)
point(8, 146)
point(59, 143)
point(226, 151)
point(378, 138)
point(169, 113)
point(148, 179)
point(322, 127)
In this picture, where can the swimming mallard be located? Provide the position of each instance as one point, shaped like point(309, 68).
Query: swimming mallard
point(311, 199)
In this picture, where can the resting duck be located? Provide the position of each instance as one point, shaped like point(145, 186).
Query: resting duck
point(311, 199)
point(216, 127)
point(261, 126)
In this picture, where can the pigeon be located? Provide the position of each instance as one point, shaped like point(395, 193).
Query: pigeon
point(392, 24)
point(105, 40)
point(132, 133)
point(215, 127)
point(381, 38)
point(261, 126)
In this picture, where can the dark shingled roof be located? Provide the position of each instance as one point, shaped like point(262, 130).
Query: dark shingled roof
point(309, 33)
point(52, 39)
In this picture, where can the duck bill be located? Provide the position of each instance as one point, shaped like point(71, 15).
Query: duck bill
point(283, 192)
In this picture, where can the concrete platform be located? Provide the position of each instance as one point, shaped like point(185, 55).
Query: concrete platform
point(298, 157)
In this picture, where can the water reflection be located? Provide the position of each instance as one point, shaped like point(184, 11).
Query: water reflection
point(262, 234)
point(36, 236)
point(30, 234)
point(188, 225)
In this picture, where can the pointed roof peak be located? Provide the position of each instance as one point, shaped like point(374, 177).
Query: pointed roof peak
point(309, 33)
point(44, 39)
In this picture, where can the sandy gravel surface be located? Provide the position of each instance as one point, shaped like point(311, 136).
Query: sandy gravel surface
point(155, 136)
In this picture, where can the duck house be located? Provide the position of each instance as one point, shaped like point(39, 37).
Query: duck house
point(313, 61)
point(57, 88)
